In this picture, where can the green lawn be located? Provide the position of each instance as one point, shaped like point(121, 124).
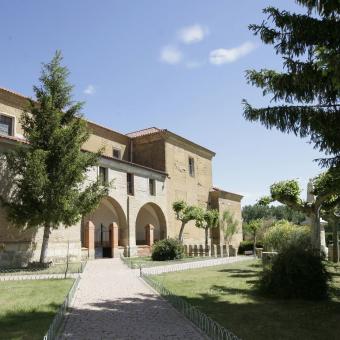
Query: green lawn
point(28, 307)
point(225, 294)
point(146, 261)
point(74, 267)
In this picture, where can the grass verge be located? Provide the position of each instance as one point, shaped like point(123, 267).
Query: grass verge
point(226, 293)
point(74, 267)
point(146, 261)
point(27, 307)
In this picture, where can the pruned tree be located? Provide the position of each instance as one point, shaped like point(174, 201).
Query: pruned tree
point(229, 225)
point(48, 174)
point(184, 213)
point(323, 188)
point(207, 219)
point(330, 212)
point(253, 228)
point(307, 91)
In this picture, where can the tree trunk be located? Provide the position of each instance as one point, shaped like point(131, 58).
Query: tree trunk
point(206, 237)
point(254, 247)
point(315, 230)
point(180, 236)
point(44, 246)
point(335, 242)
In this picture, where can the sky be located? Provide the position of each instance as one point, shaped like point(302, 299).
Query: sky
point(174, 64)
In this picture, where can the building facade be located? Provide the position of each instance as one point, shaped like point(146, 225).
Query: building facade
point(149, 170)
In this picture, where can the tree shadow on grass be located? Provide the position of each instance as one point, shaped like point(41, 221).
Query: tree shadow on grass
point(27, 324)
point(253, 316)
point(240, 273)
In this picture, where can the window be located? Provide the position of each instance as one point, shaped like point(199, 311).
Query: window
point(116, 153)
point(191, 167)
point(152, 187)
point(130, 184)
point(6, 125)
point(103, 175)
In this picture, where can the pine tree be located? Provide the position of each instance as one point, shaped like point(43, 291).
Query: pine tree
point(307, 90)
point(49, 172)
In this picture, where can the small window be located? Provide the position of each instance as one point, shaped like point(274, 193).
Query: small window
point(152, 187)
point(6, 125)
point(116, 153)
point(130, 184)
point(191, 167)
point(103, 175)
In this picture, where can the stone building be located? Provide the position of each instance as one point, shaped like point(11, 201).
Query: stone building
point(150, 169)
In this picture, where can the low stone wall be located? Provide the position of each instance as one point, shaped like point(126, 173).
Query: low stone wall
point(19, 254)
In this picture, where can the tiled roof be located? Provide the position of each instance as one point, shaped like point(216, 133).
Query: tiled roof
point(144, 132)
point(13, 92)
point(224, 191)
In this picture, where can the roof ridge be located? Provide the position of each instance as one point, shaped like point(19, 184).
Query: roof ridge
point(145, 132)
point(148, 128)
point(13, 92)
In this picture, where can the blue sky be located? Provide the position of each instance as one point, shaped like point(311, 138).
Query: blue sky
point(175, 64)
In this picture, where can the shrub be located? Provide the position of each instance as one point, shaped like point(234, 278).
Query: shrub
point(248, 245)
point(168, 249)
point(296, 273)
point(284, 234)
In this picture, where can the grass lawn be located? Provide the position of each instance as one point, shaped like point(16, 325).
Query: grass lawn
point(146, 261)
point(73, 267)
point(28, 307)
point(225, 294)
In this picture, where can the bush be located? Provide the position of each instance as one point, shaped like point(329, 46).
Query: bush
point(285, 234)
point(168, 249)
point(248, 245)
point(296, 273)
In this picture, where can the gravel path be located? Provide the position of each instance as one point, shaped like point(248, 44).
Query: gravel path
point(113, 303)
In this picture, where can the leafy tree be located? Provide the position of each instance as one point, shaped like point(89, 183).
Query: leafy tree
point(49, 173)
point(282, 212)
point(284, 234)
point(288, 193)
point(184, 213)
point(268, 213)
point(254, 212)
point(206, 219)
point(307, 91)
point(253, 228)
point(229, 226)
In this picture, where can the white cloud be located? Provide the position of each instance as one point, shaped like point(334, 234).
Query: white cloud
point(192, 34)
point(223, 56)
point(90, 90)
point(171, 54)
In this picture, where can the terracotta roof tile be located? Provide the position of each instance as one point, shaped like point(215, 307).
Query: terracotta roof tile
point(144, 132)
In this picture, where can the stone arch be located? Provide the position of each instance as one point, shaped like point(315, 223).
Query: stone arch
point(108, 211)
point(150, 214)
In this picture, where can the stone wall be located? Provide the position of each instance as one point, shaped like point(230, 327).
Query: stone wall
point(131, 205)
point(182, 186)
point(223, 201)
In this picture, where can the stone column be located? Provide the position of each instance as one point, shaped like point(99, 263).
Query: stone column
point(89, 238)
point(131, 214)
point(149, 234)
point(114, 234)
